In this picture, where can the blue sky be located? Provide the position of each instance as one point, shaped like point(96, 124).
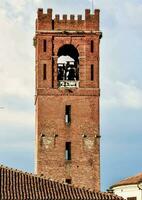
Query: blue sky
point(121, 83)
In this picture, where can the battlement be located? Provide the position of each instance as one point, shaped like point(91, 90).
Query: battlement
point(46, 21)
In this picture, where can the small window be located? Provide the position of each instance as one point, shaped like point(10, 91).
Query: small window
point(92, 46)
point(68, 151)
point(44, 45)
point(92, 72)
point(68, 181)
point(44, 72)
point(68, 114)
point(132, 198)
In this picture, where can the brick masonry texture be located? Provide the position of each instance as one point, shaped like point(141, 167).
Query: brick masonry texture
point(52, 132)
point(45, 22)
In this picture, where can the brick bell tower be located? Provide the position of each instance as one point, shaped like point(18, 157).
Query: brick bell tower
point(67, 98)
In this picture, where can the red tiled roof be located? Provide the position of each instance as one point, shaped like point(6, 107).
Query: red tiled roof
point(130, 180)
point(20, 185)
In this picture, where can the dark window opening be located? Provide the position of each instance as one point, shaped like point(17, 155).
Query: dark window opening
point(44, 72)
point(131, 198)
point(68, 180)
point(44, 45)
point(68, 151)
point(52, 24)
point(68, 114)
point(52, 72)
point(68, 63)
point(92, 72)
point(92, 46)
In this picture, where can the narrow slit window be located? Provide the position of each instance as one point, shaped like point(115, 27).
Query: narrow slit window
point(68, 114)
point(92, 72)
point(44, 45)
point(68, 151)
point(92, 46)
point(44, 72)
point(132, 198)
point(68, 180)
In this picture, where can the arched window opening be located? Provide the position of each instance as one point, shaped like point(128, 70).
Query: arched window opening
point(68, 66)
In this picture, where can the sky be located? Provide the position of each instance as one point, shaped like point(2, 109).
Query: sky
point(120, 74)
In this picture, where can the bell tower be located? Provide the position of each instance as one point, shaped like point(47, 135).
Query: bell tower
point(67, 98)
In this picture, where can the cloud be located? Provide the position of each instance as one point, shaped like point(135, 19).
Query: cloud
point(21, 118)
point(131, 15)
point(17, 5)
point(16, 58)
point(126, 95)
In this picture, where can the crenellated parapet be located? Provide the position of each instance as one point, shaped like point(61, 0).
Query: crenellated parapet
point(46, 21)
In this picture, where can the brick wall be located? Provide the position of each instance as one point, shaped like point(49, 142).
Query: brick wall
point(45, 21)
point(52, 132)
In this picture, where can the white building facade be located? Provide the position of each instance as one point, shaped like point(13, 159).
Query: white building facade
point(130, 188)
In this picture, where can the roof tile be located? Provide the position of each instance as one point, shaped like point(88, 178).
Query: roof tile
point(130, 180)
point(20, 185)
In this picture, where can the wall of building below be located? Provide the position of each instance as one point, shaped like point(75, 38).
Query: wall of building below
point(128, 191)
point(82, 132)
